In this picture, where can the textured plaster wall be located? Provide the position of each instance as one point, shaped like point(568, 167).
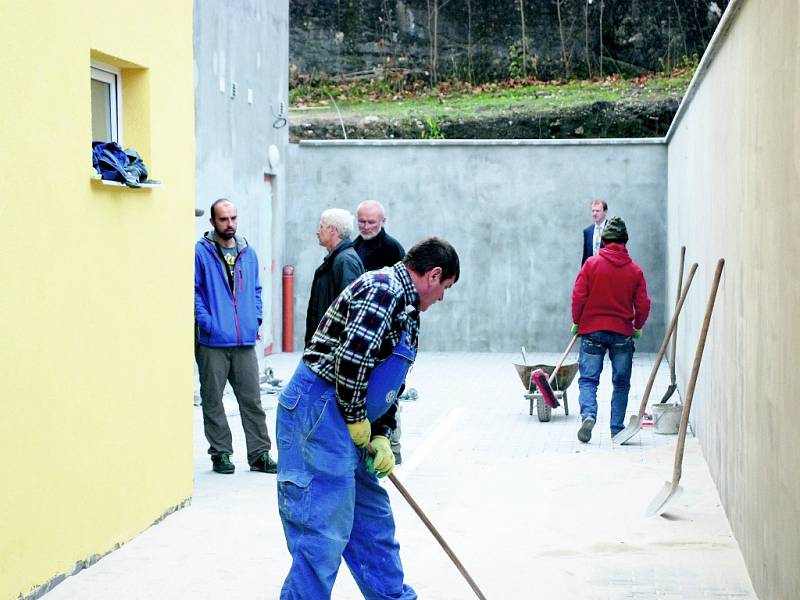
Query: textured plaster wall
point(513, 211)
point(734, 176)
point(246, 44)
point(96, 306)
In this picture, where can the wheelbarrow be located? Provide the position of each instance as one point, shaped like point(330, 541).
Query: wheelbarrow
point(566, 373)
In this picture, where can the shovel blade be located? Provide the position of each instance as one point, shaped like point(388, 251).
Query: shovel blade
point(634, 425)
point(668, 393)
point(667, 494)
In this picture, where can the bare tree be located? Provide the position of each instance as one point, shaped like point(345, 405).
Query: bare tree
point(564, 60)
point(601, 37)
point(470, 70)
point(524, 40)
point(433, 28)
point(385, 24)
point(680, 25)
point(586, 35)
point(434, 6)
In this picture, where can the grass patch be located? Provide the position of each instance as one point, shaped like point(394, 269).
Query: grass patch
point(389, 99)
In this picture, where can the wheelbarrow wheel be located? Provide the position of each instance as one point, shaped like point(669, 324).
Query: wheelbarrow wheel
point(543, 410)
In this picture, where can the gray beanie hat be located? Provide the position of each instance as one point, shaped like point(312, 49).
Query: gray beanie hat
point(615, 231)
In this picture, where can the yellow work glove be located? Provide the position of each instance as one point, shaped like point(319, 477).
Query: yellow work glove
point(360, 432)
point(383, 459)
point(637, 333)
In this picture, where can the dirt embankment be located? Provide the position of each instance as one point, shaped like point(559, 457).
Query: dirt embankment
point(598, 120)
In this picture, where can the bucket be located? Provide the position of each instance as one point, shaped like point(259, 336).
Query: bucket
point(666, 418)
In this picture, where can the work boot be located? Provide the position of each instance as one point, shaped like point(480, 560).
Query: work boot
point(221, 463)
point(585, 432)
point(264, 464)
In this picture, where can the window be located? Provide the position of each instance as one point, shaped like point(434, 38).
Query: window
point(106, 103)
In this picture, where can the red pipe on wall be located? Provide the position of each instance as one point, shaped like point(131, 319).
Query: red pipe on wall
point(288, 308)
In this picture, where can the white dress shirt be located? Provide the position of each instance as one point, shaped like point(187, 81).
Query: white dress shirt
point(598, 230)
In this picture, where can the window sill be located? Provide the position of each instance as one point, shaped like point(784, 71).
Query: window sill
point(150, 183)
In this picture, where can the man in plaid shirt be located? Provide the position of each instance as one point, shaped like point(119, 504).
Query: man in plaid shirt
point(341, 399)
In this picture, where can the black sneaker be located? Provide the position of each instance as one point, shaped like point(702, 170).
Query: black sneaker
point(221, 463)
point(585, 432)
point(264, 464)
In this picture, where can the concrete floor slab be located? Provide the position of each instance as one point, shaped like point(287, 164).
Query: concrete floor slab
point(529, 510)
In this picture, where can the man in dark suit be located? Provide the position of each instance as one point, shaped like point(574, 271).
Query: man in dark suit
point(592, 241)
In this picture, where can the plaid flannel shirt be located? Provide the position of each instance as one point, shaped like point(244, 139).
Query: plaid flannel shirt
point(359, 330)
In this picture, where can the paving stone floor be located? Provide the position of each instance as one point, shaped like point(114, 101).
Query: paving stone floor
point(530, 511)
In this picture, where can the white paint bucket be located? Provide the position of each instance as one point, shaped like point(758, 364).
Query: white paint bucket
point(666, 418)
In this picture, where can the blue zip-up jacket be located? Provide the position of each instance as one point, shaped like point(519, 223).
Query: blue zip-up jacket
point(225, 318)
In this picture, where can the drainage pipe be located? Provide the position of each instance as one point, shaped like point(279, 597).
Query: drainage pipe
point(288, 308)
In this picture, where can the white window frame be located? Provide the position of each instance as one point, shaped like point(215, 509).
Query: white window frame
point(113, 77)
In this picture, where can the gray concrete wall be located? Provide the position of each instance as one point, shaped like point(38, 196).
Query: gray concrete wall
point(513, 210)
point(244, 43)
point(734, 176)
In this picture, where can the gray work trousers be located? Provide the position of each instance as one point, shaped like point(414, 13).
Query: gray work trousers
point(239, 365)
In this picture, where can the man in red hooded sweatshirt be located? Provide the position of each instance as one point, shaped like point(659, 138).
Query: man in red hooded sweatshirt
point(610, 306)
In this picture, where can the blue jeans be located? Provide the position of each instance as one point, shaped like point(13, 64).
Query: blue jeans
point(593, 349)
point(330, 506)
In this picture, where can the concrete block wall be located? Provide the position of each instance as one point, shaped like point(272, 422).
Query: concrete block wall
point(734, 176)
point(244, 44)
point(514, 210)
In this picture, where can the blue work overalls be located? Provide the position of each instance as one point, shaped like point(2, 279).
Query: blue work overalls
point(330, 506)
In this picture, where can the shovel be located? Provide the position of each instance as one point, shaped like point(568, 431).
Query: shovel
point(672, 380)
point(404, 492)
point(424, 518)
point(671, 489)
point(635, 423)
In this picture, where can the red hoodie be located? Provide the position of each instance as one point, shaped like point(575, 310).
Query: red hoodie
point(610, 293)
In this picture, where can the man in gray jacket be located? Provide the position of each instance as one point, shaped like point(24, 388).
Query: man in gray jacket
point(339, 268)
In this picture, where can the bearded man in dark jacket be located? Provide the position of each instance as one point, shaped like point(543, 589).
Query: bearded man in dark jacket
point(339, 268)
point(376, 248)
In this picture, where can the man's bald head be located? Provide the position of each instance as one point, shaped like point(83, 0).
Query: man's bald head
point(371, 218)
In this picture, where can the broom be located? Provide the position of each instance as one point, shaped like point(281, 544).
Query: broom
point(544, 385)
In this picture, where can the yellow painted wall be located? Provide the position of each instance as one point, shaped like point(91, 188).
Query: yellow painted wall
point(96, 297)
point(734, 192)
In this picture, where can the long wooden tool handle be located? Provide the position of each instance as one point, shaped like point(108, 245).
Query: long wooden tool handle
point(698, 356)
point(561, 361)
point(674, 347)
point(404, 492)
point(665, 342)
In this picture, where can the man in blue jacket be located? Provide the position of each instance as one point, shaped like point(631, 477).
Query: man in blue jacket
point(227, 311)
